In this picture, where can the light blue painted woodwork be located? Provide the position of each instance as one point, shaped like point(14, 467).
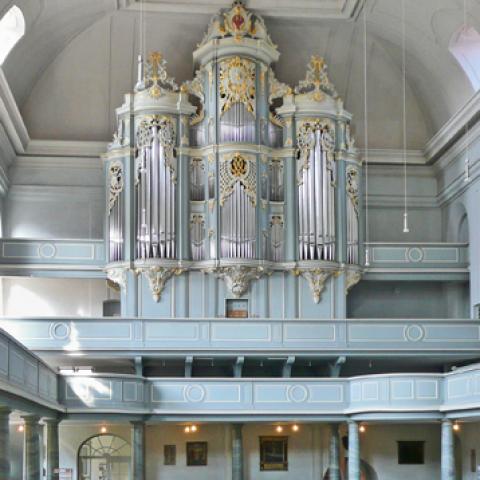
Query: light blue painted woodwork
point(436, 256)
point(22, 373)
point(217, 335)
point(56, 252)
point(413, 394)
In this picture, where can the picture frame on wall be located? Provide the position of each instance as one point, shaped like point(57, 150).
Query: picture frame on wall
point(273, 453)
point(170, 455)
point(197, 454)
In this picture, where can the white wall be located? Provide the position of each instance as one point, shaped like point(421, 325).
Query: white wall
point(308, 450)
point(379, 449)
point(37, 297)
point(469, 440)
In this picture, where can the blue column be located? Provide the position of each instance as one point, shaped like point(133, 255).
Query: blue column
point(31, 448)
point(138, 450)
point(237, 452)
point(334, 464)
point(53, 462)
point(448, 456)
point(353, 451)
point(4, 443)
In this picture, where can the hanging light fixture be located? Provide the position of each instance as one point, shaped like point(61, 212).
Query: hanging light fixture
point(365, 112)
point(404, 72)
point(279, 429)
point(295, 428)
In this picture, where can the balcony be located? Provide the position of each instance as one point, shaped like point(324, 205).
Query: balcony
point(430, 261)
point(73, 258)
point(216, 336)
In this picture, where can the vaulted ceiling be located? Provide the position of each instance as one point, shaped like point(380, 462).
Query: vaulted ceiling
point(77, 58)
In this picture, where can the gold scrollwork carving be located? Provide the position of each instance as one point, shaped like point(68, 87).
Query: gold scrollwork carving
point(237, 84)
point(238, 168)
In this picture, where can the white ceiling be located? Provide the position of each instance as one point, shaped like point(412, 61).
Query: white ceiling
point(78, 58)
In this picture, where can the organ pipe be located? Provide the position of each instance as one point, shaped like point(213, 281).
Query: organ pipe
point(316, 192)
point(156, 174)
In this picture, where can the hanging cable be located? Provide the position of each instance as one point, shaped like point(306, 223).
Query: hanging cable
point(404, 73)
point(365, 112)
point(141, 56)
point(466, 177)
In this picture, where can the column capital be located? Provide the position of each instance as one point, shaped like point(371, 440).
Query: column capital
point(447, 421)
point(30, 419)
point(51, 421)
point(137, 422)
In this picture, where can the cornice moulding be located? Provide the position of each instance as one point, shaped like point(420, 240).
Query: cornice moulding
point(387, 156)
point(66, 148)
point(327, 9)
point(452, 128)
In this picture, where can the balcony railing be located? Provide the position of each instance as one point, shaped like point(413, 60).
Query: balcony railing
point(418, 256)
point(19, 255)
point(430, 395)
point(220, 335)
point(24, 375)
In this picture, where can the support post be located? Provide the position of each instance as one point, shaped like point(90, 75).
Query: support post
point(31, 448)
point(237, 452)
point(4, 442)
point(53, 451)
point(138, 450)
point(448, 456)
point(353, 451)
point(334, 461)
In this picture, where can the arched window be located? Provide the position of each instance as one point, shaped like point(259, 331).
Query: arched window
point(465, 47)
point(12, 29)
point(104, 457)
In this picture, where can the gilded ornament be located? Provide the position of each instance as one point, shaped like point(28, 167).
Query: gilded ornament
point(238, 168)
point(237, 84)
point(316, 83)
point(156, 80)
point(352, 186)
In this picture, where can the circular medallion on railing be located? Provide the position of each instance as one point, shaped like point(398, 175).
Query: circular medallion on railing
point(297, 393)
point(415, 255)
point(47, 250)
point(194, 393)
point(60, 331)
point(414, 333)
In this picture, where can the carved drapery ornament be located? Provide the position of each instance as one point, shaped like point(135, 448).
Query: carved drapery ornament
point(163, 128)
point(237, 84)
point(238, 277)
point(306, 143)
point(116, 183)
point(316, 83)
point(158, 277)
point(277, 89)
point(352, 187)
point(156, 80)
point(238, 168)
point(316, 279)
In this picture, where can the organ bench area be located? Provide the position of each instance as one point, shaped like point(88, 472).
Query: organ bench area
point(233, 185)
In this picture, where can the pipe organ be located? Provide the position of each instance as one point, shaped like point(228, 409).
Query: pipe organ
point(234, 173)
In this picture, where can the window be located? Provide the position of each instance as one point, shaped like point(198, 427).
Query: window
point(411, 453)
point(104, 456)
point(465, 47)
point(273, 453)
point(12, 29)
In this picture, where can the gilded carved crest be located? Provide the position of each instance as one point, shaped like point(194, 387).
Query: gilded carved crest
point(156, 78)
point(238, 168)
point(317, 83)
point(195, 87)
point(237, 84)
